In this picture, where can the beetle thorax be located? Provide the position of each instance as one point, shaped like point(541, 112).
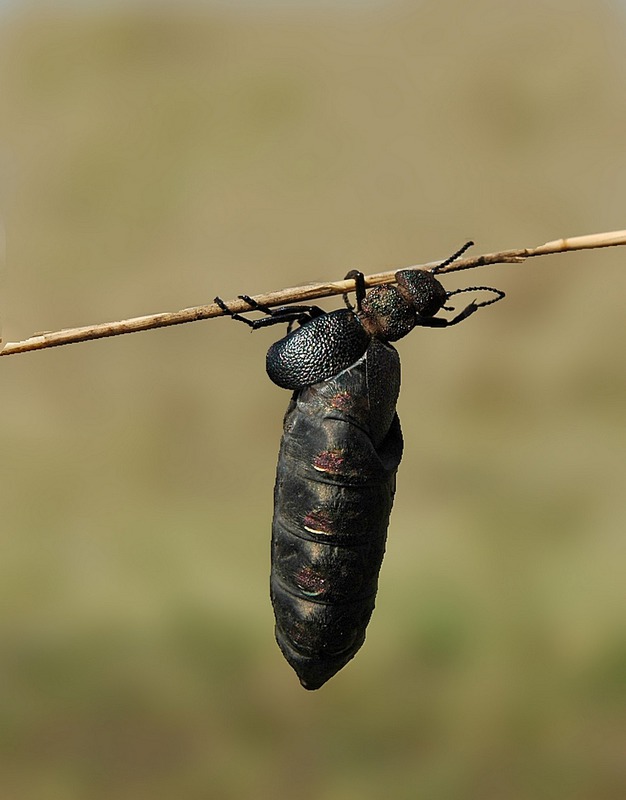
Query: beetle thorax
point(387, 314)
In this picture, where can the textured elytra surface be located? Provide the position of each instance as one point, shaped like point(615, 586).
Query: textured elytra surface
point(319, 349)
point(334, 491)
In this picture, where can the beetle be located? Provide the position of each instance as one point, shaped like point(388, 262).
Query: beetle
point(339, 453)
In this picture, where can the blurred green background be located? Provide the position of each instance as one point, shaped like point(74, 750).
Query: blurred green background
point(152, 157)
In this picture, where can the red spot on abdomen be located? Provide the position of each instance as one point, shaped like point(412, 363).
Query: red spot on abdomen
point(329, 461)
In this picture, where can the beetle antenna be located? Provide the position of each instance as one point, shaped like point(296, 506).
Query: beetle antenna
point(497, 292)
point(452, 258)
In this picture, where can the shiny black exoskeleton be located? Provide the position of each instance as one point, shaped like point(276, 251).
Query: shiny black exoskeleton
point(339, 453)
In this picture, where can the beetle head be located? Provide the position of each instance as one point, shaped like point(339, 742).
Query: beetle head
point(422, 290)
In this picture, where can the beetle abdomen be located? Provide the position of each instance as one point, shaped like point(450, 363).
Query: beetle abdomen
point(334, 491)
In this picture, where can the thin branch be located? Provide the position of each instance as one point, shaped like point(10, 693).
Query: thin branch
point(298, 294)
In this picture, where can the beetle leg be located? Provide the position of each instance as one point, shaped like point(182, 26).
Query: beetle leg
point(275, 316)
point(254, 305)
point(441, 322)
point(359, 289)
point(277, 319)
point(467, 312)
point(218, 301)
point(285, 312)
point(288, 314)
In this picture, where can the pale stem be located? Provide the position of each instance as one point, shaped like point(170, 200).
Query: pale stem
point(298, 294)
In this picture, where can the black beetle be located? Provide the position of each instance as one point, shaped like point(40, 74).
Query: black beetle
point(339, 453)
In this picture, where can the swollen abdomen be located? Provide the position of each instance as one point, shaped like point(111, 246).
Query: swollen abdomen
point(334, 491)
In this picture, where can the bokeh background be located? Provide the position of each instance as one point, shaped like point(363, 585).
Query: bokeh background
point(152, 156)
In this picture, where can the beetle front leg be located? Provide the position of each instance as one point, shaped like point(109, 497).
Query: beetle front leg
point(467, 312)
point(442, 322)
point(359, 289)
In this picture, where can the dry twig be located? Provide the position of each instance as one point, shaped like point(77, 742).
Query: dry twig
point(298, 294)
